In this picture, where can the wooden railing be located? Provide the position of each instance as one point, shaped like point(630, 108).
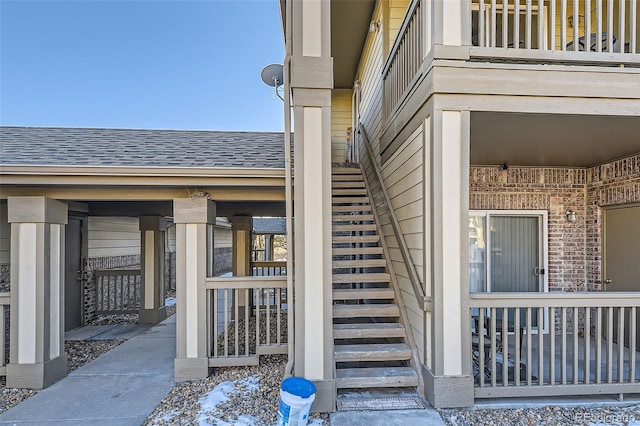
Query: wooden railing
point(248, 318)
point(269, 269)
point(5, 303)
point(543, 344)
point(405, 59)
point(117, 291)
point(556, 25)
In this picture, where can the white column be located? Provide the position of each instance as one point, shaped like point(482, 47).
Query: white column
point(37, 356)
point(152, 257)
point(192, 216)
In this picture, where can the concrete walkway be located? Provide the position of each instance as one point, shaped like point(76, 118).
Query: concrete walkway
point(122, 387)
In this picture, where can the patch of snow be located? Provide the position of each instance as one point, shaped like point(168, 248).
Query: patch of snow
point(251, 383)
point(227, 275)
point(170, 301)
point(219, 395)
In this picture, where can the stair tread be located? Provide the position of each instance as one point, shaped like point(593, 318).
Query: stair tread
point(343, 251)
point(361, 278)
point(356, 239)
point(359, 263)
point(374, 330)
point(372, 352)
point(375, 372)
point(349, 200)
point(365, 293)
point(352, 218)
point(388, 310)
point(376, 377)
point(355, 227)
point(349, 208)
point(346, 170)
point(348, 184)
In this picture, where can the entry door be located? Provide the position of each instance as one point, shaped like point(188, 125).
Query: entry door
point(621, 272)
point(73, 269)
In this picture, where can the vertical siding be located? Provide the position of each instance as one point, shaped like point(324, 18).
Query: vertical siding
point(340, 122)
point(5, 235)
point(113, 236)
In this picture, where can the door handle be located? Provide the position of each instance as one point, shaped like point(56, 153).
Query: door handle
point(537, 271)
point(608, 281)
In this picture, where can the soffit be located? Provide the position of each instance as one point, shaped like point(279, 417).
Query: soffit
point(551, 140)
point(350, 21)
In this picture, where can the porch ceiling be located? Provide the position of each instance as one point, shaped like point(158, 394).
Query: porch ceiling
point(349, 28)
point(165, 208)
point(551, 139)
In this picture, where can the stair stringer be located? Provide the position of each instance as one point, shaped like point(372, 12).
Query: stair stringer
point(404, 319)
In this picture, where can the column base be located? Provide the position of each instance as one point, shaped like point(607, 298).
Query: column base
point(191, 369)
point(152, 316)
point(325, 401)
point(448, 391)
point(37, 376)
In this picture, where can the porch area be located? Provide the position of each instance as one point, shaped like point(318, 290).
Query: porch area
point(555, 344)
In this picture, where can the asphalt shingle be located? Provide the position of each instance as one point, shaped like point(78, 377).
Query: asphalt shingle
point(54, 146)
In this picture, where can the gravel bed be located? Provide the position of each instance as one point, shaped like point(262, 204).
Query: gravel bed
point(253, 400)
point(549, 415)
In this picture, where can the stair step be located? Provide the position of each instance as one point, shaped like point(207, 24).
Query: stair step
point(349, 200)
point(368, 331)
point(367, 277)
point(373, 352)
point(366, 310)
point(346, 178)
point(376, 377)
point(350, 227)
point(359, 263)
point(345, 251)
point(343, 209)
point(348, 184)
point(346, 171)
point(354, 239)
point(363, 293)
point(348, 191)
point(352, 218)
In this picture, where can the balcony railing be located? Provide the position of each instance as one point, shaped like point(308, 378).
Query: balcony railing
point(405, 59)
point(556, 25)
point(247, 317)
point(543, 344)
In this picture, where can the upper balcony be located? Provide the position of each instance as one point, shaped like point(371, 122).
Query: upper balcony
point(576, 32)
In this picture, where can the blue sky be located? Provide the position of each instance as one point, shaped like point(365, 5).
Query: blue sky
point(139, 64)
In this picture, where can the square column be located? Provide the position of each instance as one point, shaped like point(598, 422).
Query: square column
point(192, 217)
point(37, 357)
point(448, 377)
point(241, 227)
point(152, 257)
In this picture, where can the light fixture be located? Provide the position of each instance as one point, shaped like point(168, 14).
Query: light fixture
point(374, 26)
point(571, 216)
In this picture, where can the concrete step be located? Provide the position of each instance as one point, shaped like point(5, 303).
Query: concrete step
point(363, 294)
point(377, 330)
point(341, 239)
point(359, 263)
point(386, 310)
point(350, 227)
point(352, 218)
point(344, 251)
point(376, 377)
point(367, 277)
point(373, 352)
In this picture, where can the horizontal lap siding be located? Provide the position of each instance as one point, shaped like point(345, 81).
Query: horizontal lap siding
point(113, 236)
point(340, 122)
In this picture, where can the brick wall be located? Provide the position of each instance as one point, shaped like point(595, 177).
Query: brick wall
point(574, 248)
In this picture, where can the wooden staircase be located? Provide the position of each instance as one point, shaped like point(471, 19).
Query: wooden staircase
point(369, 339)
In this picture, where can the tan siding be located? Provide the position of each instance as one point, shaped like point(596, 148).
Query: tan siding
point(397, 10)
point(5, 236)
point(340, 122)
point(113, 236)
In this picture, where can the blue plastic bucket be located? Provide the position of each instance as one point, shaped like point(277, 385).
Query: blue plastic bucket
point(296, 396)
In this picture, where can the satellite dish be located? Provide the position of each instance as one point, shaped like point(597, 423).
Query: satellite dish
point(273, 75)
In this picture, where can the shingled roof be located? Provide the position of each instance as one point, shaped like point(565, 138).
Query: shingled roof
point(54, 146)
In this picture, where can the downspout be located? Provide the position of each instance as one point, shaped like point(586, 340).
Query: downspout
point(288, 188)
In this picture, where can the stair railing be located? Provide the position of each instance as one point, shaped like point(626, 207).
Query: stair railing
point(424, 302)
